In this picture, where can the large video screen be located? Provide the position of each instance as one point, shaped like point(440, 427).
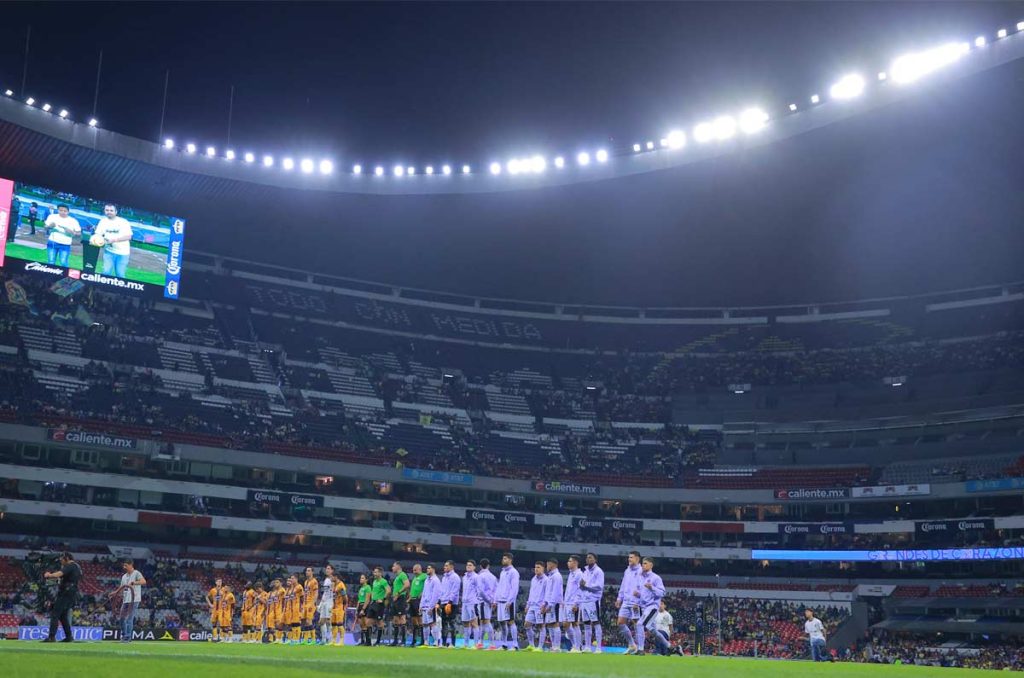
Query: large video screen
point(52, 232)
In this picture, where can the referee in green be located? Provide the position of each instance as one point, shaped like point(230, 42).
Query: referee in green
point(379, 591)
point(399, 604)
point(419, 578)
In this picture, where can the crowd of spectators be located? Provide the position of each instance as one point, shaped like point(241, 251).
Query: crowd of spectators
point(922, 650)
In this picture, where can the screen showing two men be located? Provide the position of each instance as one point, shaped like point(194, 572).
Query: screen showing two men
point(57, 233)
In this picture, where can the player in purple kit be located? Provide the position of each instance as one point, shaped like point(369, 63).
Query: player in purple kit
point(487, 584)
point(470, 605)
point(569, 614)
point(628, 600)
point(592, 585)
point(449, 602)
point(552, 604)
point(505, 598)
point(652, 590)
point(534, 616)
point(428, 609)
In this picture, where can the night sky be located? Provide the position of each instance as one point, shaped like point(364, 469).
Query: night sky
point(460, 82)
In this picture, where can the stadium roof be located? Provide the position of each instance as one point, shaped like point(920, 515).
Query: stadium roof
point(908, 190)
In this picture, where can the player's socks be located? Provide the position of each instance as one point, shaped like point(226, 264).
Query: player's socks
point(540, 637)
point(380, 634)
point(438, 633)
point(662, 644)
point(587, 633)
point(529, 635)
point(598, 635)
point(640, 636)
point(556, 638)
point(630, 640)
point(513, 636)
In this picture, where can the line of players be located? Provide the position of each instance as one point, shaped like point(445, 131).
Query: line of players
point(485, 605)
point(286, 613)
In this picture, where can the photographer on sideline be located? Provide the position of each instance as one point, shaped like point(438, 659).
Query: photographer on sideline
point(67, 596)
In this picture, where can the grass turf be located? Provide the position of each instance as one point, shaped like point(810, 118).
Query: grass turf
point(19, 251)
point(202, 660)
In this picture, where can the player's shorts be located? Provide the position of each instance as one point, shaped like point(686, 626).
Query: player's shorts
point(551, 616)
point(566, 615)
point(470, 613)
point(414, 607)
point(590, 612)
point(647, 617)
point(428, 616)
point(506, 612)
point(399, 606)
point(338, 615)
point(533, 616)
point(375, 610)
point(325, 609)
point(627, 611)
point(307, 615)
point(485, 611)
point(273, 621)
point(247, 618)
point(292, 618)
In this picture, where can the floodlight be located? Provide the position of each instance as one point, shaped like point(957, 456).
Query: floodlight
point(357, 169)
point(93, 122)
point(326, 167)
point(538, 163)
point(229, 154)
point(980, 41)
point(559, 162)
point(190, 148)
point(446, 170)
point(465, 169)
point(8, 93)
point(268, 161)
point(210, 151)
point(30, 101)
point(583, 158)
point(664, 142)
point(704, 132)
point(650, 145)
point(724, 126)
point(63, 113)
point(429, 169)
point(1001, 33)
point(848, 87)
point(636, 148)
point(288, 164)
point(815, 98)
point(398, 170)
point(753, 120)
point(410, 171)
point(1020, 27)
point(306, 165)
point(601, 155)
point(792, 107)
point(909, 67)
point(495, 168)
point(168, 144)
point(882, 76)
point(378, 171)
point(47, 107)
point(250, 158)
point(512, 166)
point(676, 139)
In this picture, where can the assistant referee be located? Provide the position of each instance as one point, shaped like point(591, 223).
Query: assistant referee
point(68, 576)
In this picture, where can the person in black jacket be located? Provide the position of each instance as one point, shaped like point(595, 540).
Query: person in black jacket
point(68, 576)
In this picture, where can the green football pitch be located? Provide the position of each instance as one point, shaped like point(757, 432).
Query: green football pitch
point(200, 660)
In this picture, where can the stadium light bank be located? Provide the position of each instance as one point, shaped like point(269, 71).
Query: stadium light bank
point(905, 69)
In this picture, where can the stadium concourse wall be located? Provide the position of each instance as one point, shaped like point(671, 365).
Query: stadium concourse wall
point(142, 491)
point(550, 487)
